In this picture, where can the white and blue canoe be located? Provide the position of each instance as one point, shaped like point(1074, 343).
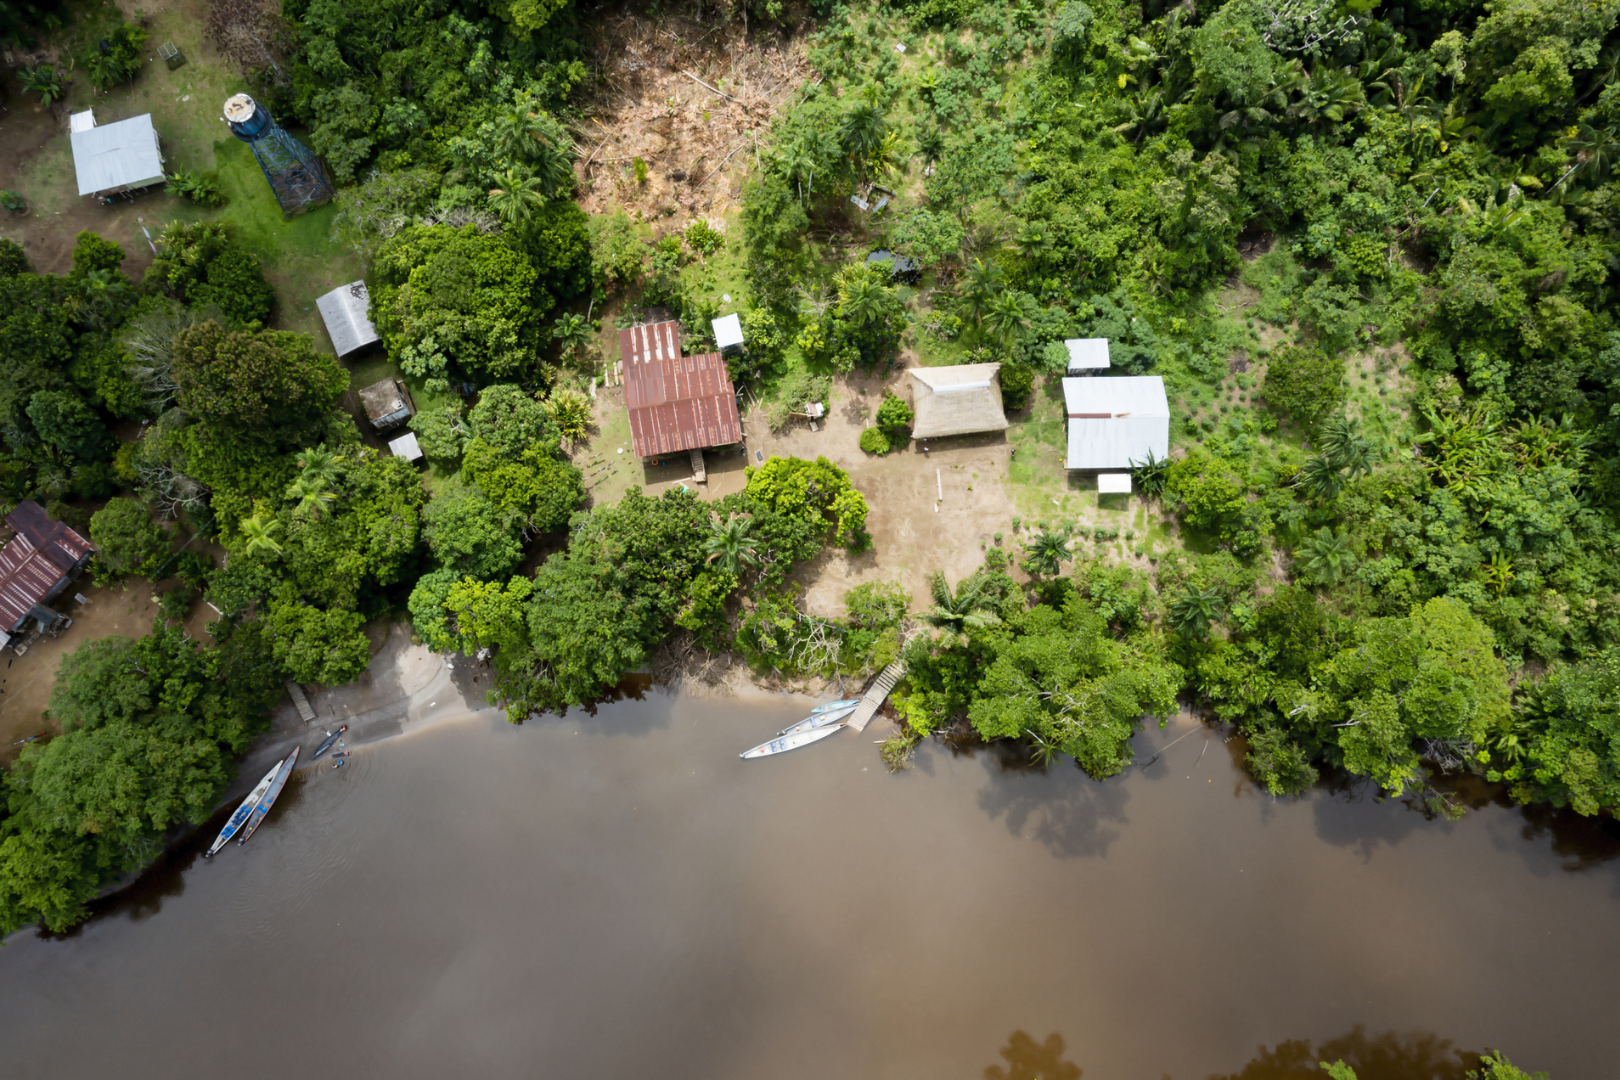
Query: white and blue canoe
point(783, 743)
point(834, 706)
point(282, 773)
point(243, 812)
point(823, 717)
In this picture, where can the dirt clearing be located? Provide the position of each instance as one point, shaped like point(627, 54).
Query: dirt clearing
point(693, 103)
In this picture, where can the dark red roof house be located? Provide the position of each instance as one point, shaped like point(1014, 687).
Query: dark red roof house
point(677, 403)
point(39, 562)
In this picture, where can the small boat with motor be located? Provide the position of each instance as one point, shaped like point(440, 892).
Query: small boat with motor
point(822, 719)
point(270, 797)
point(327, 745)
point(243, 811)
point(783, 743)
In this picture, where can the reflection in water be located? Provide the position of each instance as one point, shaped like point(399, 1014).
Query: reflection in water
point(1413, 1056)
point(1029, 1060)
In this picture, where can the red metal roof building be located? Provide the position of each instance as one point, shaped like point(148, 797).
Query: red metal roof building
point(676, 402)
point(37, 565)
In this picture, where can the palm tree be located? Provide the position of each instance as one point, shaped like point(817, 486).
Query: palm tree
point(570, 410)
point(1048, 552)
point(861, 132)
point(1152, 475)
point(1344, 447)
point(862, 298)
point(1319, 480)
point(1196, 610)
point(311, 495)
point(571, 333)
point(1009, 316)
point(260, 533)
point(730, 543)
point(516, 197)
point(982, 284)
point(964, 610)
point(1325, 556)
point(319, 466)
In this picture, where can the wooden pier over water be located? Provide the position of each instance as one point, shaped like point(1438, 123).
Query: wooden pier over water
point(874, 697)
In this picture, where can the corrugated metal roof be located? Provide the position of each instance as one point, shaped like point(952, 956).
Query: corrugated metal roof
point(406, 447)
point(344, 311)
point(39, 556)
point(727, 330)
point(118, 155)
point(676, 402)
point(1088, 354)
point(1115, 423)
point(956, 400)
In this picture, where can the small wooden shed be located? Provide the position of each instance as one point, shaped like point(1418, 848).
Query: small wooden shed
point(388, 404)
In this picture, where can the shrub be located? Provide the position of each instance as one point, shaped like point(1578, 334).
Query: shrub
point(1304, 384)
point(874, 441)
point(116, 59)
point(1017, 382)
point(704, 238)
point(196, 187)
point(894, 415)
point(13, 203)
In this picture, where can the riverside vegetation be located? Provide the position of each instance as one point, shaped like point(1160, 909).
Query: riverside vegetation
point(1367, 246)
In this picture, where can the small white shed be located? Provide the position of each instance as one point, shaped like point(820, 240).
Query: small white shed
point(1087, 355)
point(406, 447)
point(728, 332)
point(121, 156)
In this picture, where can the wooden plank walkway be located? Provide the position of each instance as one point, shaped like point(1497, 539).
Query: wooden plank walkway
point(302, 702)
point(699, 473)
point(874, 698)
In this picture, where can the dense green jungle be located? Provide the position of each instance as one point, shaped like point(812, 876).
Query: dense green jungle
point(1367, 246)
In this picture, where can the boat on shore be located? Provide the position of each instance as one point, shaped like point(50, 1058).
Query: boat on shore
point(327, 743)
point(243, 811)
point(270, 797)
point(820, 719)
point(782, 744)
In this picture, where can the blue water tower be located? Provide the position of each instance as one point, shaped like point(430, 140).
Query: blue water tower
point(295, 171)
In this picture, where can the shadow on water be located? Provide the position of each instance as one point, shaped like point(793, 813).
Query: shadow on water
point(165, 877)
point(1027, 1059)
point(1068, 812)
point(637, 687)
point(1415, 1055)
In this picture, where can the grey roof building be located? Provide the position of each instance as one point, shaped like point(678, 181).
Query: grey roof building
point(1116, 422)
point(120, 156)
point(344, 311)
point(956, 400)
point(388, 404)
point(1087, 355)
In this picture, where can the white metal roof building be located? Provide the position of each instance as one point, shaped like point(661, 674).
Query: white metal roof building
point(1087, 354)
point(118, 156)
point(343, 310)
point(727, 332)
point(1115, 422)
point(406, 447)
point(956, 400)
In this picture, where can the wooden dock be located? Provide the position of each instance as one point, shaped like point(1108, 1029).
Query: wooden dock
point(874, 697)
point(699, 472)
point(302, 702)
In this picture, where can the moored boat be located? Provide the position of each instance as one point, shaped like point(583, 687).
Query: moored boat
point(327, 744)
point(243, 811)
point(784, 743)
point(270, 797)
point(821, 720)
point(834, 706)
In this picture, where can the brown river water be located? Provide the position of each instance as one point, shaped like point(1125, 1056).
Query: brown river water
point(619, 896)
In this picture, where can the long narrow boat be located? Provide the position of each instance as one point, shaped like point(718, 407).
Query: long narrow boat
point(834, 706)
point(785, 743)
point(270, 797)
point(326, 744)
point(243, 811)
point(821, 720)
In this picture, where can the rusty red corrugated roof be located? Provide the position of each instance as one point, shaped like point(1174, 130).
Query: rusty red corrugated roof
point(40, 555)
point(676, 402)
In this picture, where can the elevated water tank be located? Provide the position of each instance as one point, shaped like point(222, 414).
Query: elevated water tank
point(248, 119)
